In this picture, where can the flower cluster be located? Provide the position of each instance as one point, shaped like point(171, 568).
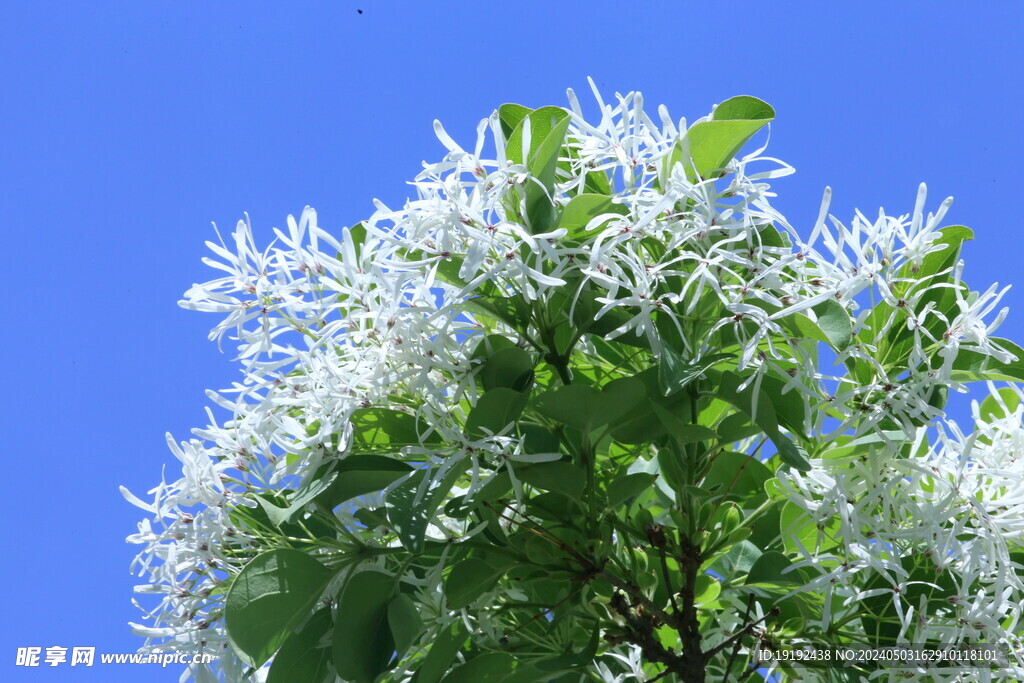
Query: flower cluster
point(620, 229)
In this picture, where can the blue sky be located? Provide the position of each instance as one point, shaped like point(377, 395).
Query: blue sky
point(128, 127)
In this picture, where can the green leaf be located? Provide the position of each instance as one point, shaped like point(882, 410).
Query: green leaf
point(971, 366)
point(540, 209)
point(271, 595)
point(382, 427)
point(833, 325)
point(493, 667)
point(511, 310)
point(737, 560)
point(297, 500)
point(543, 122)
point(790, 407)
point(770, 568)
point(951, 239)
point(358, 475)
point(548, 126)
point(561, 477)
point(413, 503)
point(736, 427)
point(363, 644)
point(404, 622)
point(509, 368)
point(802, 534)
point(744, 107)
point(495, 410)
point(706, 589)
point(584, 208)
point(738, 477)
point(587, 408)
point(510, 116)
point(765, 418)
point(683, 432)
point(468, 580)
point(629, 486)
point(834, 322)
point(708, 146)
point(998, 405)
point(641, 424)
point(895, 347)
point(306, 655)
point(441, 654)
point(357, 234)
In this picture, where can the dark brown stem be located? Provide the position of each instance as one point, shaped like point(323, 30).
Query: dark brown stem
point(694, 658)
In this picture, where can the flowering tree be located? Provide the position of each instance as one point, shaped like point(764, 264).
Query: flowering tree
point(590, 409)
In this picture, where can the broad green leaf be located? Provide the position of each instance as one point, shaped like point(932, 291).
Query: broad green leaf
point(683, 432)
point(382, 427)
point(737, 476)
point(404, 622)
point(272, 594)
point(584, 208)
point(510, 115)
point(738, 559)
point(298, 500)
point(799, 531)
point(441, 654)
point(641, 424)
point(363, 643)
point(495, 410)
point(511, 310)
point(972, 366)
point(744, 107)
point(468, 580)
point(765, 418)
point(561, 477)
point(834, 321)
point(951, 239)
point(770, 569)
point(629, 486)
point(543, 122)
point(540, 209)
point(895, 347)
point(708, 146)
point(588, 408)
point(833, 325)
point(509, 368)
point(924, 588)
point(306, 655)
point(790, 407)
point(671, 469)
point(998, 405)
point(537, 439)
point(358, 475)
point(736, 427)
point(493, 667)
point(547, 127)
point(413, 503)
point(706, 589)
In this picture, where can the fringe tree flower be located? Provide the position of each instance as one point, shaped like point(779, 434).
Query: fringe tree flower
point(562, 415)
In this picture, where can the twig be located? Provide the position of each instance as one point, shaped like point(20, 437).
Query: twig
point(736, 648)
point(774, 611)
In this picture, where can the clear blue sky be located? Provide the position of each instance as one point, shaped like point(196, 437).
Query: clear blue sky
point(127, 127)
